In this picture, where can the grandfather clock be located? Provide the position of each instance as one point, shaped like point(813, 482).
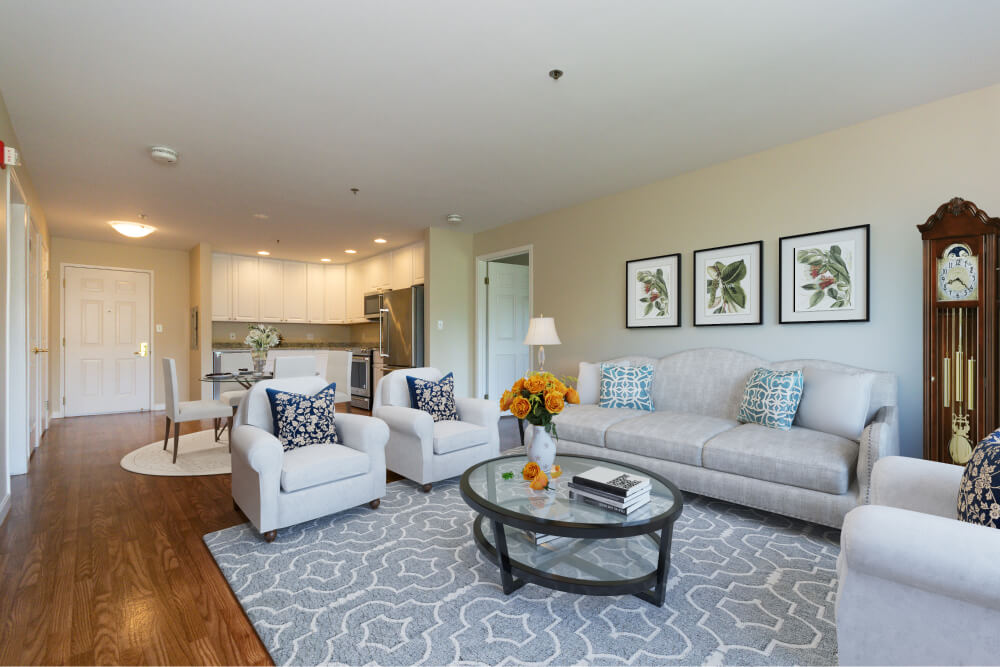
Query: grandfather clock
point(960, 330)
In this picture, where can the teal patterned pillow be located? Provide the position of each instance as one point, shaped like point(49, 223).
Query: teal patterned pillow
point(626, 387)
point(771, 398)
point(979, 492)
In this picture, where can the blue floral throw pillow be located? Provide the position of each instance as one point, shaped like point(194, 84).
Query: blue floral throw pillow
point(771, 398)
point(626, 387)
point(301, 420)
point(979, 492)
point(435, 398)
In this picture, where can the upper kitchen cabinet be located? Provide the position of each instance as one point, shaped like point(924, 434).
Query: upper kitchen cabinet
point(355, 290)
point(222, 287)
point(418, 263)
point(379, 273)
point(245, 292)
point(334, 302)
point(315, 293)
point(295, 301)
point(402, 268)
point(272, 291)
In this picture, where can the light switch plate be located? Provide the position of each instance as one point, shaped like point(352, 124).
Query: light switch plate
point(159, 328)
point(440, 325)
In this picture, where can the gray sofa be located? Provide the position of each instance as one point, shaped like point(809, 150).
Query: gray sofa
point(693, 437)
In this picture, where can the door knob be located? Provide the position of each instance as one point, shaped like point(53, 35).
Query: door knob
point(36, 350)
point(143, 350)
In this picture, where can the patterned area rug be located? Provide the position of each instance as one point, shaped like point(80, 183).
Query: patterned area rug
point(197, 454)
point(405, 584)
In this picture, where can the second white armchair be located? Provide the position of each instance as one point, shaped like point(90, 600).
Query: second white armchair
point(427, 451)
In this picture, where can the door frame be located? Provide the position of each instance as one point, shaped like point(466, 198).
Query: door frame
point(18, 420)
point(62, 329)
point(481, 305)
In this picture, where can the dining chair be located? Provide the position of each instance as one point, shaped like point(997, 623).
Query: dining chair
point(188, 411)
point(293, 367)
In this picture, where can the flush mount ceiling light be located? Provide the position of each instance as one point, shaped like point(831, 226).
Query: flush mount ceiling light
point(380, 240)
point(326, 259)
point(351, 251)
point(454, 219)
point(263, 252)
point(163, 154)
point(133, 230)
point(260, 216)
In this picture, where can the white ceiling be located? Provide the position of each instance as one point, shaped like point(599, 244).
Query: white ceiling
point(438, 106)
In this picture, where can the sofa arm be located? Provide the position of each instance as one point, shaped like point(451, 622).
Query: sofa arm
point(366, 434)
point(937, 555)
point(261, 451)
point(478, 411)
point(407, 421)
point(879, 439)
point(922, 486)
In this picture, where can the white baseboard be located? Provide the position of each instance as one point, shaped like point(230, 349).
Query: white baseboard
point(56, 415)
point(4, 508)
point(159, 406)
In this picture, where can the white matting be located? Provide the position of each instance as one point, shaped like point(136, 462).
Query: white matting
point(197, 454)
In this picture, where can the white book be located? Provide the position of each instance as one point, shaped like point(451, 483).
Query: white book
point(613, 481)
point(608, 498)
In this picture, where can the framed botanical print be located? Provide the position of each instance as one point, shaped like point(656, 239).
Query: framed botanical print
point(652, 292)
point(824, 276)
point(729, 285)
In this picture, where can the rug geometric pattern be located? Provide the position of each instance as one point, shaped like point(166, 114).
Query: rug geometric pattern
point(405, 584)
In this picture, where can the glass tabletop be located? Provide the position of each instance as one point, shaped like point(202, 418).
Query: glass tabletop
point(236, 377)
point(486, 485)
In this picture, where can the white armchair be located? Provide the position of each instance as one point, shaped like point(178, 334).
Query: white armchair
point(275, 488)
point(426, 451)
point(917, 586)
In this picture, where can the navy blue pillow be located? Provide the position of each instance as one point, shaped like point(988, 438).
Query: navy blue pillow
point(301, 420)
point(435, 398)
point(979, 492)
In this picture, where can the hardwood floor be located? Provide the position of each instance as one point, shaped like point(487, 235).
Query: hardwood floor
point(102, 566)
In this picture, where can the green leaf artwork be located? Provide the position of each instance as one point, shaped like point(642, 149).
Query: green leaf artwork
point(826, 275)
point(725, 291)
point(653, 299)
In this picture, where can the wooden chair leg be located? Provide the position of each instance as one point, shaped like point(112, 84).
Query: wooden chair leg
point(166, 436)
point(215, 428)
point(375, 503)
point(426, 488)
point(177, 437)
point(270, 535)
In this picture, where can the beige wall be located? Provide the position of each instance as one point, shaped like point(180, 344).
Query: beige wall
point(171, 278)
point(449, 300)
point(891, 173)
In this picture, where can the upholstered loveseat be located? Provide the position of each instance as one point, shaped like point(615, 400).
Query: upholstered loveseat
point(694, 438)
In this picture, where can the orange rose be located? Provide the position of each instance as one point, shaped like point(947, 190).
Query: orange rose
point(554, 402)
point(555, 472)
point(520, 407)
point(506, 400)
point(518, 386)
point(535, 384)
point(572, 396)
point(540, 481)
point(559, 386)
point(531, 470)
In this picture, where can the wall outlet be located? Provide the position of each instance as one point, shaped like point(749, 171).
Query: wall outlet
point(159, 328)
point(440, 325)
point(232, 336)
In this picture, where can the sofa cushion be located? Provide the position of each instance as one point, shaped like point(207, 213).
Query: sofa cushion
point(307, 466)
point(626, 387)
point(671, 436)
point(797, 457)
point(835, 402)
point(771, 398)
point(451, 436)
point(588, 381)
point(587, 424)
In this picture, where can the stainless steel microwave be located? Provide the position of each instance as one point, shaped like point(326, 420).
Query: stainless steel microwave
point(373, 305)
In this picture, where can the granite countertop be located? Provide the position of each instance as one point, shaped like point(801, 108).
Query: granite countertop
point(292, 345)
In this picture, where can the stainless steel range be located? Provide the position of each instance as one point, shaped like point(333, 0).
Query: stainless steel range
point(362, 382)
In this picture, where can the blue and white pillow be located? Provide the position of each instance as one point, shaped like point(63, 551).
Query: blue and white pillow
point(979, 491)
point(434, 398)
point(771, 398)
point(626, 387)
point(301, 420)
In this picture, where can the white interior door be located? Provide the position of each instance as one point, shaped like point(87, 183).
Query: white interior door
point(34, 338)
point(507, 315)
point(107, 326)
point(43, 317)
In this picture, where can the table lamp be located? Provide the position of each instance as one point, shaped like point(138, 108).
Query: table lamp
point(542, 332)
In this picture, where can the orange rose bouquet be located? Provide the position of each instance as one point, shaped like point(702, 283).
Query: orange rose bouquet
point(537, 398)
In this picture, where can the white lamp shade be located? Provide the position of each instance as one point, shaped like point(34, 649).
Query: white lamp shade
point(542, 331)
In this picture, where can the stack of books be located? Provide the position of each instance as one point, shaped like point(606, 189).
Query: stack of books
point(612, 490)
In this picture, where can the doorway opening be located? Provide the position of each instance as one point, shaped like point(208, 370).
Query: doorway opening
point(503, 310)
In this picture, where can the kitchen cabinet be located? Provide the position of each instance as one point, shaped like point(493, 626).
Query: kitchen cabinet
point(245, 293)
point(295, 295)
point(334, 301)
point(271, 290)
point(418, 263)
point(222, 287)
point(316, 293)
point(402, 268)
point(355, 291)
point(379, 273)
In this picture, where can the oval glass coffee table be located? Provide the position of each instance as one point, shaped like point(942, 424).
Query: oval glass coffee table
point(598, 551)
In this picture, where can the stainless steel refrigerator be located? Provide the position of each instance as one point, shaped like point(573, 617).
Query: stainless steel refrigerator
point(401, 328)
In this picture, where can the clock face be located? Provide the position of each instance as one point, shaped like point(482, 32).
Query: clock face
point(958, 274)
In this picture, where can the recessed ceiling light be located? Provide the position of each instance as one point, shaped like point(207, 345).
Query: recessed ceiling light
point(380, 240)
point(134, 230)
point(326, 259)
point(260, 216)
point(263, 252)
point(351, 252)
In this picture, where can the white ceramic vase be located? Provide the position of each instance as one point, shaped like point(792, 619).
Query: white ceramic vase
point(540, 448)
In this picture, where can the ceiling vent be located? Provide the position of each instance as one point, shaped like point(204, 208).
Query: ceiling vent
point(163, 155)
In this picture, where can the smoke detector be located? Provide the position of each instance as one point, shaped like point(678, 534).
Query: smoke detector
point(454, 219)
point(163, 154)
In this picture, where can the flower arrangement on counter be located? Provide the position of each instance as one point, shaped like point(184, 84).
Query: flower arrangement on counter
point(537, 398)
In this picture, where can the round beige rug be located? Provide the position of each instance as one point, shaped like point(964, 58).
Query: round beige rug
point(197, 454)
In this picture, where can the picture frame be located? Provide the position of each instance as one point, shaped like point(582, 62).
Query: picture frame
point(652, 292)
point(728, 300)
point(825, 276)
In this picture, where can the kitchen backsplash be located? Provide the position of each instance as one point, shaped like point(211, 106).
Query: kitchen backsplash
point(299, 333)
